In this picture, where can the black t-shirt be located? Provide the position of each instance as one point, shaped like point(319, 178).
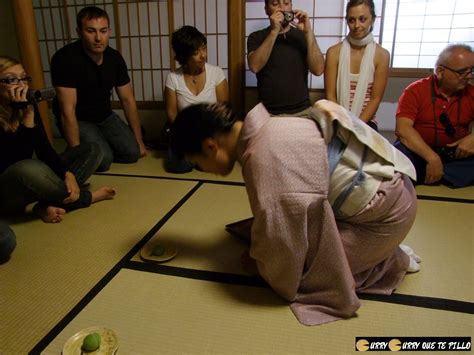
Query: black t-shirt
point(22, 143)
point(71, 67)
point(283, 81)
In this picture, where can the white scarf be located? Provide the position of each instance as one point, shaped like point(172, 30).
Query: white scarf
point(365, 73)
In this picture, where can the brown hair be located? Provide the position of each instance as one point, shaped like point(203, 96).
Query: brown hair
point(368, 3)
point(89, 13)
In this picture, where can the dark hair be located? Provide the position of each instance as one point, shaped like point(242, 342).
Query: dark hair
point(268, 1)
point(185, 42)
point(370, 4)
point(89, 13)
point(196, 123)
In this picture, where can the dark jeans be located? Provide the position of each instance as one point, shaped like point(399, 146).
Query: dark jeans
point(457, 173)
point(7, 242)
point(177, 164)
point(31, 180)
point(116, 140)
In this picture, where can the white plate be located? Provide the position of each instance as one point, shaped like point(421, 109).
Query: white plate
point(146, 252)
point(108, 343)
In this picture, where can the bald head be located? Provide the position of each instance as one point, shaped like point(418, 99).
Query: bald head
point(454, 68)
point(453, 52)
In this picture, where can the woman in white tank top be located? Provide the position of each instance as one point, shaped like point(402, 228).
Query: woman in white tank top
point(357, 68)
point(194, 82)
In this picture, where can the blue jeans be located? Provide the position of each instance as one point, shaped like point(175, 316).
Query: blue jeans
point(457, 173)
point(7, 242)
point(116, 140)
point(31, 180)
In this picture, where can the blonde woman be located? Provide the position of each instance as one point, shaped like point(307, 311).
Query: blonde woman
point(53, 181)
point(356, 69)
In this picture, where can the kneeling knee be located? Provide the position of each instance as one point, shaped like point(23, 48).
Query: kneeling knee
point(7, 242)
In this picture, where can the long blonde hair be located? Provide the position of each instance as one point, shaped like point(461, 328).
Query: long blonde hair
point(9, 118)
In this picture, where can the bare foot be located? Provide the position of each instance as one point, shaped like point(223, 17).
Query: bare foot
point(104, 193)
point(49, 214)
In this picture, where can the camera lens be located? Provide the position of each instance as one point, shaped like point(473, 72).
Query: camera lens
point(289, 16)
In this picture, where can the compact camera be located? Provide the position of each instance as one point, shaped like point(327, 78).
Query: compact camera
point(40, 95)
point(33, 96)
point(287, 17)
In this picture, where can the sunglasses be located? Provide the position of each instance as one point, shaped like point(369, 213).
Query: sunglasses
point(461, 72)
point(448, 127)
point(15, 81)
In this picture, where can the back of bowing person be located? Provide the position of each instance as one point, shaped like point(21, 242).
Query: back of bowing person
point(194, 82)
point(357, 68)
point(54, 182)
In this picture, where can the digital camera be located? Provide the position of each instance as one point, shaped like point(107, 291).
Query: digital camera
point(288, 16)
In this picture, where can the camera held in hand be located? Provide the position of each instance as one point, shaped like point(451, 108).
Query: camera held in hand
point(288, 16)
point(34, 96)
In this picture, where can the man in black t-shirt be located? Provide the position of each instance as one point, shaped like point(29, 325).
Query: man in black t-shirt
point(281, 56)
point(84, 74)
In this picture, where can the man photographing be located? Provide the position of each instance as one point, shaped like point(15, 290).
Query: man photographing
point(281, 55)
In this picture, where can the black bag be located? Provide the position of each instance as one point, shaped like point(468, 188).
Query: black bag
point(447, 154)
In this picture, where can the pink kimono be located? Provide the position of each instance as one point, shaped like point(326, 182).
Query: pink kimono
point(307, 256)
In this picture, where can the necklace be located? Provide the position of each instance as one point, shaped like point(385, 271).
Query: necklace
point(194, 80)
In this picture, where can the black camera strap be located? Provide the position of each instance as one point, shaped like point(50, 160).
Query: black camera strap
point(433, 101)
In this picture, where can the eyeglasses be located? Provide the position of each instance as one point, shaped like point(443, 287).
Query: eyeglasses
point(15, 81)
point(449, 129)
point(464, 72)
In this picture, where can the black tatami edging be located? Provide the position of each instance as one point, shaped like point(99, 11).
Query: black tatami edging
point(444, 199)
point(238, 183)
point(204, 181)
point(58, 328)
point(257, 281)
point(442, 304)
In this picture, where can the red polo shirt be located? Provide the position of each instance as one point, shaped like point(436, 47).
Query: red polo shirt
point(415, 103)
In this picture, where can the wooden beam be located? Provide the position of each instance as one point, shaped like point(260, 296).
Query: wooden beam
point(236, 16)
point(28, 43)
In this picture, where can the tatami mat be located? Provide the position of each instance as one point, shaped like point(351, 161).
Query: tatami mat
point(157, 314)
point(153, 165)
point(55, 265)
point(442, 236)
point(197, 229)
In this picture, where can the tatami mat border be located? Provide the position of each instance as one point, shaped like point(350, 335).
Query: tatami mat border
point(243, 280)
point(235, 183)
point(219, 182)
point(48, 338)
point(444, 199)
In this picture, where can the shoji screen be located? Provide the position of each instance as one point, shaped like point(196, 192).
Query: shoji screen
point(141, 32)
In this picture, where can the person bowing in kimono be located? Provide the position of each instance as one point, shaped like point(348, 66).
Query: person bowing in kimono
point(331, 201)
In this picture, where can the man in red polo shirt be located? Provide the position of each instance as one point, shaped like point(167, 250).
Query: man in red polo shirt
point(433, 120)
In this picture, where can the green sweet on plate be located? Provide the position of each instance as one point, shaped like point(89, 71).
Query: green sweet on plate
point(91, 342)
point(158, 250)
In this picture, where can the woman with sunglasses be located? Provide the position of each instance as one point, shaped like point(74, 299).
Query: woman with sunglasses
point(434, 116)
point(54, 182)
point(356, 70)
